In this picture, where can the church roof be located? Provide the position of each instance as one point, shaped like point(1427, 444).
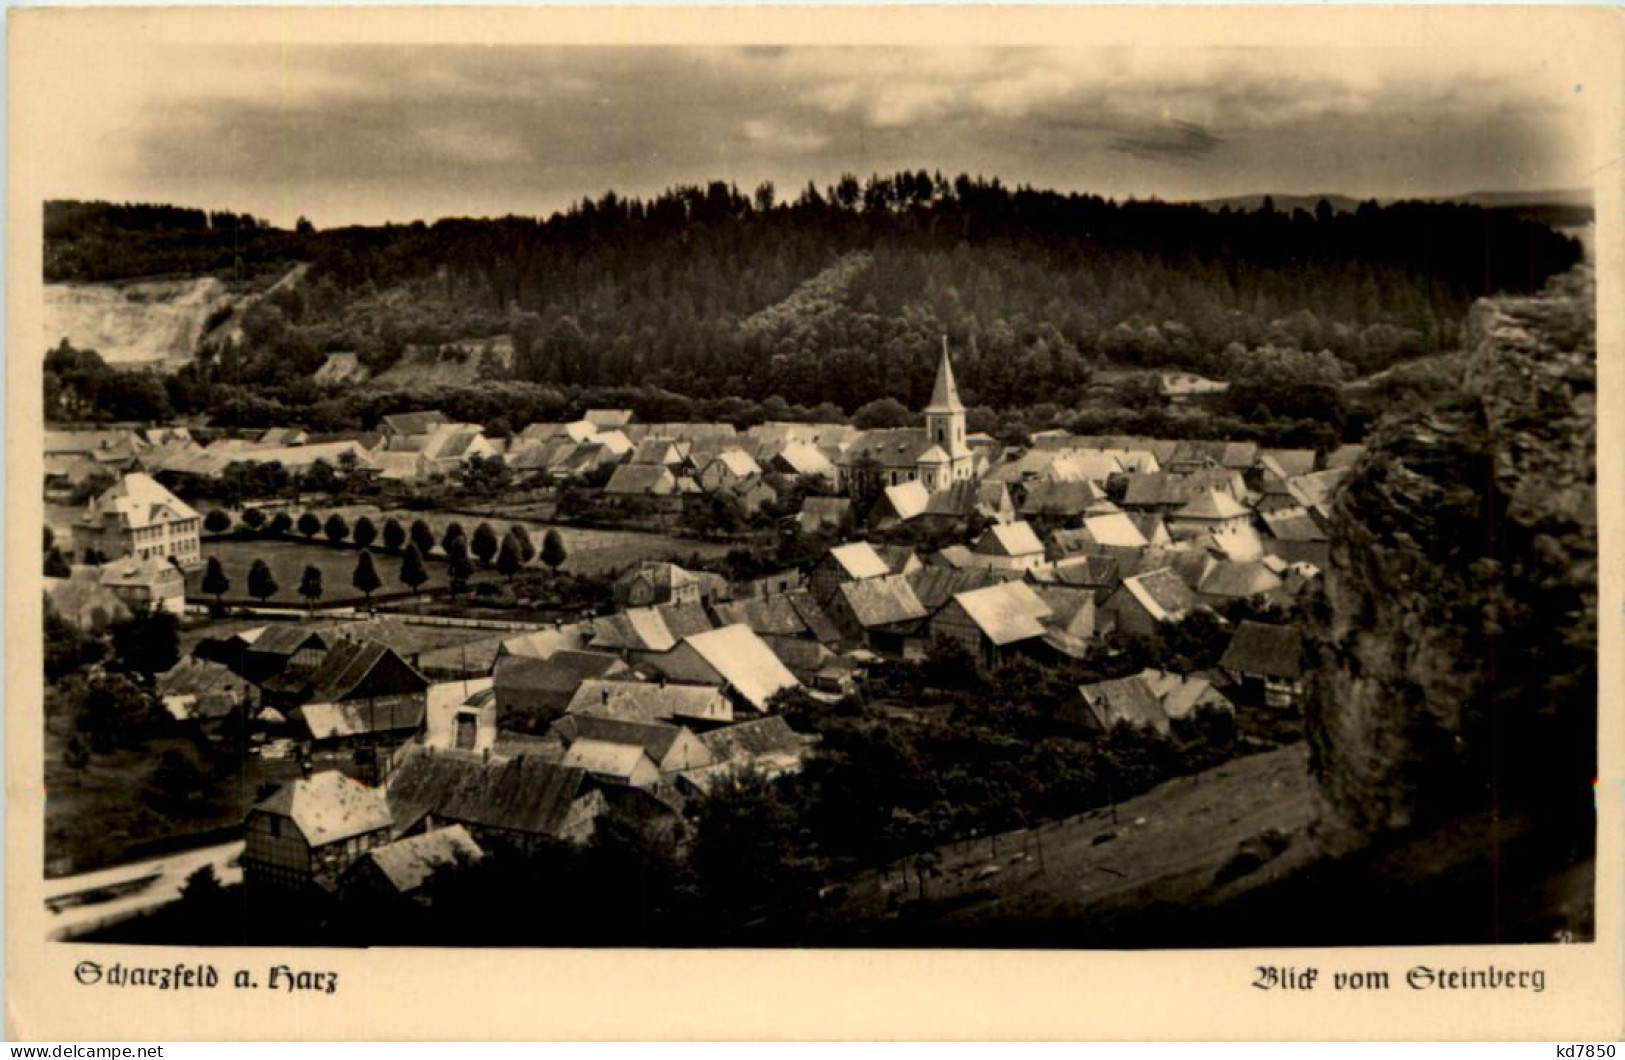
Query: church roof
point(945, 394)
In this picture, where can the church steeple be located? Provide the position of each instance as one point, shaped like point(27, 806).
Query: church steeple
point(945, 395)
point(945, 421)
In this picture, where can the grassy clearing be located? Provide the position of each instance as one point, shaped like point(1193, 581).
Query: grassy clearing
point(288, 559)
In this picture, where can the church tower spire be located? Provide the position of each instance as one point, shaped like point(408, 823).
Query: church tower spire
point(945, 421)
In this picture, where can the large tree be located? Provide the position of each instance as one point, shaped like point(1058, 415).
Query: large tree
point(261, 582)
point(217, 521)
point(510, 560)
point(310, 524)
point(215, 582)
point(365, 532)
point(310, 585)
point(337, 528)
point(366, 577)
point(394, 535)
point(484, 544)
point(413, 573)
point(553, 551)
point(458, 567)
point(422, 538)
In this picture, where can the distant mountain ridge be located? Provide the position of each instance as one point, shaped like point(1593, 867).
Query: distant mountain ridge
point(1569, 198)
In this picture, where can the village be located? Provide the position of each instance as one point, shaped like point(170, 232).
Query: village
point(413, 725)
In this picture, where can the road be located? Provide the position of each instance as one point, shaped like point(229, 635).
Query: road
point(168, 875)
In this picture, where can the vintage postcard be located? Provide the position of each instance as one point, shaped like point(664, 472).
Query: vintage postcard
point(814, 523)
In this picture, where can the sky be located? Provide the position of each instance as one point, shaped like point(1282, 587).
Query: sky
point(366, 133)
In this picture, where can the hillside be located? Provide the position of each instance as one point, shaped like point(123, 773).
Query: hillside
point(152, 324)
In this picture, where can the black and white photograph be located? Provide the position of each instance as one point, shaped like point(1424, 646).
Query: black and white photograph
point(1054, 495)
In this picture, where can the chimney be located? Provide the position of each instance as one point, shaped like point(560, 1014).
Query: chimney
point(604, 695)
point(486, 756)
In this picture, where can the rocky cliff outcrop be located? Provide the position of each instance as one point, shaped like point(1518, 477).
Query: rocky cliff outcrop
point(1456, 655)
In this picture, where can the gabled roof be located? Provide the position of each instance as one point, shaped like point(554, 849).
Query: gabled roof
point(685, 619)
point(763, 736)
point(893, 447)
point(520, 794)
point(908, 499)
point(1311, 490)
point(859, 560)
point(286, 640)
point(819, 512)
point(662, 452)
point(1265, 649)
point(649, 701)
point(744, 662)
point(1009, 539)
point(900, 559)
point(1089, 571)
point(1344, 456)
point(559, 674)
point(139, 502)
point(641, 479)
point(1162, 593)
point(818, 623)
point(410, 423)
point(1238, 580)
point(803, 458)
point(1293, 524)
point(767, 615)
point(1212, 504)
point(1288, 463)
point(636, 629)
point(328, 807)
point(1180, 694)
point(737, 462)
point(1115, 530)
point(333, 721)
point(347, 664)
point(1051, 497)
point(408, 863)
point(602, 418)
point(1126, 699)
point(887, 601)
point(605, 759)
point(654, 738)
point(935, 585)
point(201, 679)
point(1005, 613)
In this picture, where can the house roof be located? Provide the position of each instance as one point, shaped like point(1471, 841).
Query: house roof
point(956, 556)
point(648, 701)
point(804, 458)
point(818, 623)
point(908, 499)
point(520, 794)
point(859, 560)
point(1005, 613)
point(639, 479)
point(935, 585)
point(894, 447)
point(1238, 580)
point(1212, 504)
point(762, 736)
point(601, 418)
point(1115, 529)
point(333, 721)
point(1289, 463)
point(1126, 699)
point(561, 673)
point(1009, 539)
point(1313, 489)
point(285, 640)
point(668, 576)
point(1094, 572)
point(744, 662)
point(818, 512)
point(1159, 489)
point(767, 615)
point(603, 758)
point(408, 863)
point(636, 629)
point(139, 502)
point(1293, 524)
point(328, 807)
point(1180, 694)
point(737, 462)
point(1344, 456)
point(654, 738)
point(1050, 497)
point(200, 679)
point(347, 664)
point(414, 422)
point(1162, 593)
point(886, 601)
point(1265, 649)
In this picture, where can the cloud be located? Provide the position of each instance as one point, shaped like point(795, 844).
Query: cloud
point(1179, 141)
point(773, 136)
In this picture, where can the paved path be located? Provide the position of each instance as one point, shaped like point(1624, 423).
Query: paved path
point(164, 878)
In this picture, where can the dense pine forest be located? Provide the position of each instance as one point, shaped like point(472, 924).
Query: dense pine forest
point(839, 296)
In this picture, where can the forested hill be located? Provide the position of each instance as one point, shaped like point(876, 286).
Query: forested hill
point(841, 295)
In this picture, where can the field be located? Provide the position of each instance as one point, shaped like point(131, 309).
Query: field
point(288, 559)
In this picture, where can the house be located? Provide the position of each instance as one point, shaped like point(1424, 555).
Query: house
point(935, 455)
point(936, 584)
point(460, 716)
point(1104, 705)
point(1010, 546)
point(362, 691)
point(993, 622)
point(653, 582)
point(661, 452)
point(637, 634)
point(727, 469)
point(669, 748)
point(202, 692)
point(146, 585)
point(1293, 524)
point(1227, 580)
point(623, 764)
point(449, 446)
point(608, 419)
point(1166, 493)
point(845, 563)
point(1344, 456)
point(684, 620)
point(732, 658)
point(1182, 695)
point(803, 459)
point(81, 599)
point(272, 651)
point(518, 802)
point(765, 745)
point(403, 425)
point(879, 613)
point(823, 514)
point(530, 693)
point(395, 873)
point(641, 480)
point(1212, 511)
point(767, 616)
point(650, 701)
point(900, 503)
point(139, 518)
point(301, 839)
point(1047, 498)
point(1099, 574)
point(1145, 601)
point(1267, 661)
point(1287, 463)
point(283, 437)
point(1098, 533)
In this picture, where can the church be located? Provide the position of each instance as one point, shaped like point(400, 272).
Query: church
point(935, 455)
